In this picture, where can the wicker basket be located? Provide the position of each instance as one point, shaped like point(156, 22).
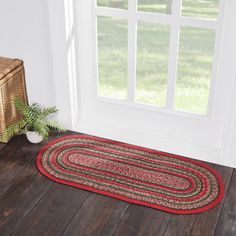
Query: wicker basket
point(12, 84)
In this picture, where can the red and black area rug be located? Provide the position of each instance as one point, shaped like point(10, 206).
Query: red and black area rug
point(137, 175)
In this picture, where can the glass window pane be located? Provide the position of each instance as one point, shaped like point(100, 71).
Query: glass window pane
point(157, 6)
point(200, 8)
point(152, 63)
point(123, 4)
point(112, 57)
point(194, 69)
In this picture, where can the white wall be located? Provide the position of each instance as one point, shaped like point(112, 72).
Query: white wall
point(24, 33)
point(27, 32)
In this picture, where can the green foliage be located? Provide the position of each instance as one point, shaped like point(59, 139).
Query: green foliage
point(34, 118)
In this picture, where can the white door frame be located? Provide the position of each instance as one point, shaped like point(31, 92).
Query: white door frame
point(71, 104)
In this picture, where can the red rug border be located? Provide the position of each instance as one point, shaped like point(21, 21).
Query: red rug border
point(169, 210)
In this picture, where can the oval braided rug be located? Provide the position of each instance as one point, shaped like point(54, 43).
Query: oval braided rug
point(138, 175)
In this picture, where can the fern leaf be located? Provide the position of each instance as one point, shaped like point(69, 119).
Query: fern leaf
point(28, 112)
point(14, 129)
point(41, 128)
point(47, 111)
point(22, 107)
point(34, 117)
point(54, 125)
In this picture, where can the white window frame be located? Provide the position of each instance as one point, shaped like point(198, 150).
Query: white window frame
point(175, 21)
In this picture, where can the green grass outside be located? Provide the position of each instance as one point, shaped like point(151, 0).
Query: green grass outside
point(192, 8)
point(194, 64)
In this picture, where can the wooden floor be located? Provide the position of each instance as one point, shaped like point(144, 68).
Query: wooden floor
point(31, 204)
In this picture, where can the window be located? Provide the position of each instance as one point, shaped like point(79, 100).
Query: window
point(157, 53)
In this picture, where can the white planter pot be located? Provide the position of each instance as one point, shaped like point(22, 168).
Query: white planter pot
point(33, 137)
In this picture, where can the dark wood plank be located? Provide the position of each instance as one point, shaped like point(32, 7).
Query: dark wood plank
point(186, 222)
point(227, 222)
point(18, 200)
point(154, 223)
point(99, 215)
point(15, 156)
point(54, 211)
point(23, 186)
point(142, 221)
point(2, 145)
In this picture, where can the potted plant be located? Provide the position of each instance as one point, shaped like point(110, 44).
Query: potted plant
point(34, 123)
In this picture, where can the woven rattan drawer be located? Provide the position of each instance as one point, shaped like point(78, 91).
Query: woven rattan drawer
point(12, 84)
